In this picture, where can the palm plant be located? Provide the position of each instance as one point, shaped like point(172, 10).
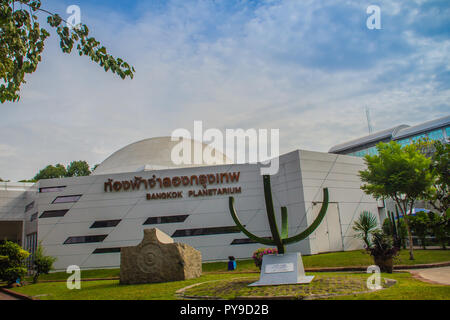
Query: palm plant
point(366, 224)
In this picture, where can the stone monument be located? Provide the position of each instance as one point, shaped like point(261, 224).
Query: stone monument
point(158, 259)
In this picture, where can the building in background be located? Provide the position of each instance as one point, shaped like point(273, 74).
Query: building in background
point(438, 129)
point(85, 221)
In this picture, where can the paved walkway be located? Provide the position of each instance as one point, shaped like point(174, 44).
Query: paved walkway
point(433, 275)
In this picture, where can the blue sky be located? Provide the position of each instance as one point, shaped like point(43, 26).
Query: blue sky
point(306, 67)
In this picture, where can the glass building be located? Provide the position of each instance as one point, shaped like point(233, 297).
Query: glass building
point(434, 130)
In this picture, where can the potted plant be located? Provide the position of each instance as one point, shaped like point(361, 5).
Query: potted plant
point(259, 254)
point(383, 251)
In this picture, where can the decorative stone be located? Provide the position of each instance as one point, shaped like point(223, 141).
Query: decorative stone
point(158, 259)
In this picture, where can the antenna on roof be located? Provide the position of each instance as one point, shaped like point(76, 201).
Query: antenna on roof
point(369, 120)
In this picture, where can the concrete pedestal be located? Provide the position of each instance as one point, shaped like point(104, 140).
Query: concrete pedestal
point(282, 269)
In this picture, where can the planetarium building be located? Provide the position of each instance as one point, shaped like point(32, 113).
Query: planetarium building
point(85, 221)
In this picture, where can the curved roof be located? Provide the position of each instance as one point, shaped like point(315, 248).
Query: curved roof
point(153, 154)
point(374, 137)
point(423, 127)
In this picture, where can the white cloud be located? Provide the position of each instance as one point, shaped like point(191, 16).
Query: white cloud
point(244, 69)
point(7, 151)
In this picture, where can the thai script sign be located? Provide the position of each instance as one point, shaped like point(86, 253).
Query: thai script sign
point(204, 180)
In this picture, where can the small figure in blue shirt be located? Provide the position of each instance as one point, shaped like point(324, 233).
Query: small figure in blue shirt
point(231, 263)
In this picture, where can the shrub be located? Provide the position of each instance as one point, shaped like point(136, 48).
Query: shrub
point(420, 226)
point(439, 226)
point(365, 226)
point(42, 264)
point(12, 262)
point(383, 251)
point(259, 254)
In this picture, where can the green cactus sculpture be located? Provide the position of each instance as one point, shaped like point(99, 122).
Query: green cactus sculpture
point(279, 240)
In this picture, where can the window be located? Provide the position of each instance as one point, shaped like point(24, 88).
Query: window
point(67, 199)
point(51, 189)
point(436, 135)
point(168, 219)
point(33, 217)
point(53, 214)
point(404, 142)
point(106, 250)
point(29, 207)
point(205, 231)
point(245, 241)
point(447, 132)
point(85, 239)
point(31, 246)
point(105, 224)
point(372, 151)
point(418, 137)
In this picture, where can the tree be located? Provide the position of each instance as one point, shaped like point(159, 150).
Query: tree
point(78, 169)
point(420, 225)
point(12, 262)
point(402, 174)
point(42, 264)
point(51, 172)
point(440, 227)
point(74, 169)
point(439, 194)
point(364, 226)
point(22, 43)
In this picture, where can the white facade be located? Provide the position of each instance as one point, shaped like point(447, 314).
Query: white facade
point(64, 228)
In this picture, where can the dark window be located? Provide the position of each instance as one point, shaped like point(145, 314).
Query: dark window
point(105, 224)
point(29, 207)
point(168, 219)
point(106, 250)
point(51, 189)
point(33, 217)
point(245, 241)
point(205, 231)
point(85, 239)
point(53, 214)
point(67, 199)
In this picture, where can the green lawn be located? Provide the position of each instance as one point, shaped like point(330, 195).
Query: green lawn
point(323, 284)
point(344, 259)
point(406, 288)
point(337, 259)
point(112, 290)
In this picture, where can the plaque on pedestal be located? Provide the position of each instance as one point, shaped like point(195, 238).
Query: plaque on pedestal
point(282, 269)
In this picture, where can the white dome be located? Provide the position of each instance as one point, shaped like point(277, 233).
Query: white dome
point(152, 154)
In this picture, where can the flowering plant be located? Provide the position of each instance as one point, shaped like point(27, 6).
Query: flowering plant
point(259, 254)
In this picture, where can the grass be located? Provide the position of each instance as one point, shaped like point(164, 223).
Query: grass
point(323, 284)
point(344, 259)
point(336, 259)
point(112, 290)
point(405, 289)
point(85, 274)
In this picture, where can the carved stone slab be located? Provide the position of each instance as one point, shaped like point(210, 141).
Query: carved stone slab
point(158, 259)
